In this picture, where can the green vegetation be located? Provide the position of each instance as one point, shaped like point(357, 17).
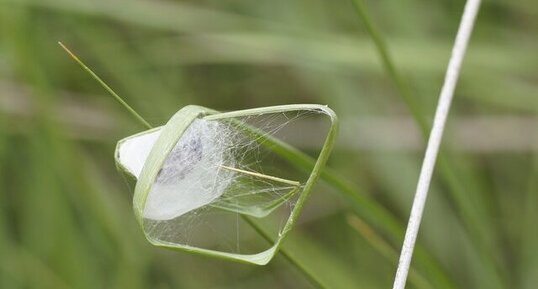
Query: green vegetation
point(66, 217)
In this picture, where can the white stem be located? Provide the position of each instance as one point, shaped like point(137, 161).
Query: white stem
point(436, 134)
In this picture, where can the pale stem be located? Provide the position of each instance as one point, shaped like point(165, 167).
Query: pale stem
point(436, 134)
point(267, 177)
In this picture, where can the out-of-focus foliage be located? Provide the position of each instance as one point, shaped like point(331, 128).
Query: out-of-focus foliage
point(65, 213)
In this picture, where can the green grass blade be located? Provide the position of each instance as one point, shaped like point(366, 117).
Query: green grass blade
point(107, 87)
point(313, 278)
point(385, 249)
point(388, 63)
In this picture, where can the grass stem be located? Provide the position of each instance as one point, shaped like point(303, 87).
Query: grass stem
point(311, 277)
point(388, 63)
point(258, 175)
point(106, 87)
point(434, 142)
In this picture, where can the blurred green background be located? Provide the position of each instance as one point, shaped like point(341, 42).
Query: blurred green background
point(65, 213)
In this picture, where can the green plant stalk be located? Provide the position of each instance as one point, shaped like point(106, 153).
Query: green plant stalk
point(474, 224)
point(107, 88)
point(382, 49)
point(385, 249)
point(311, 277)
